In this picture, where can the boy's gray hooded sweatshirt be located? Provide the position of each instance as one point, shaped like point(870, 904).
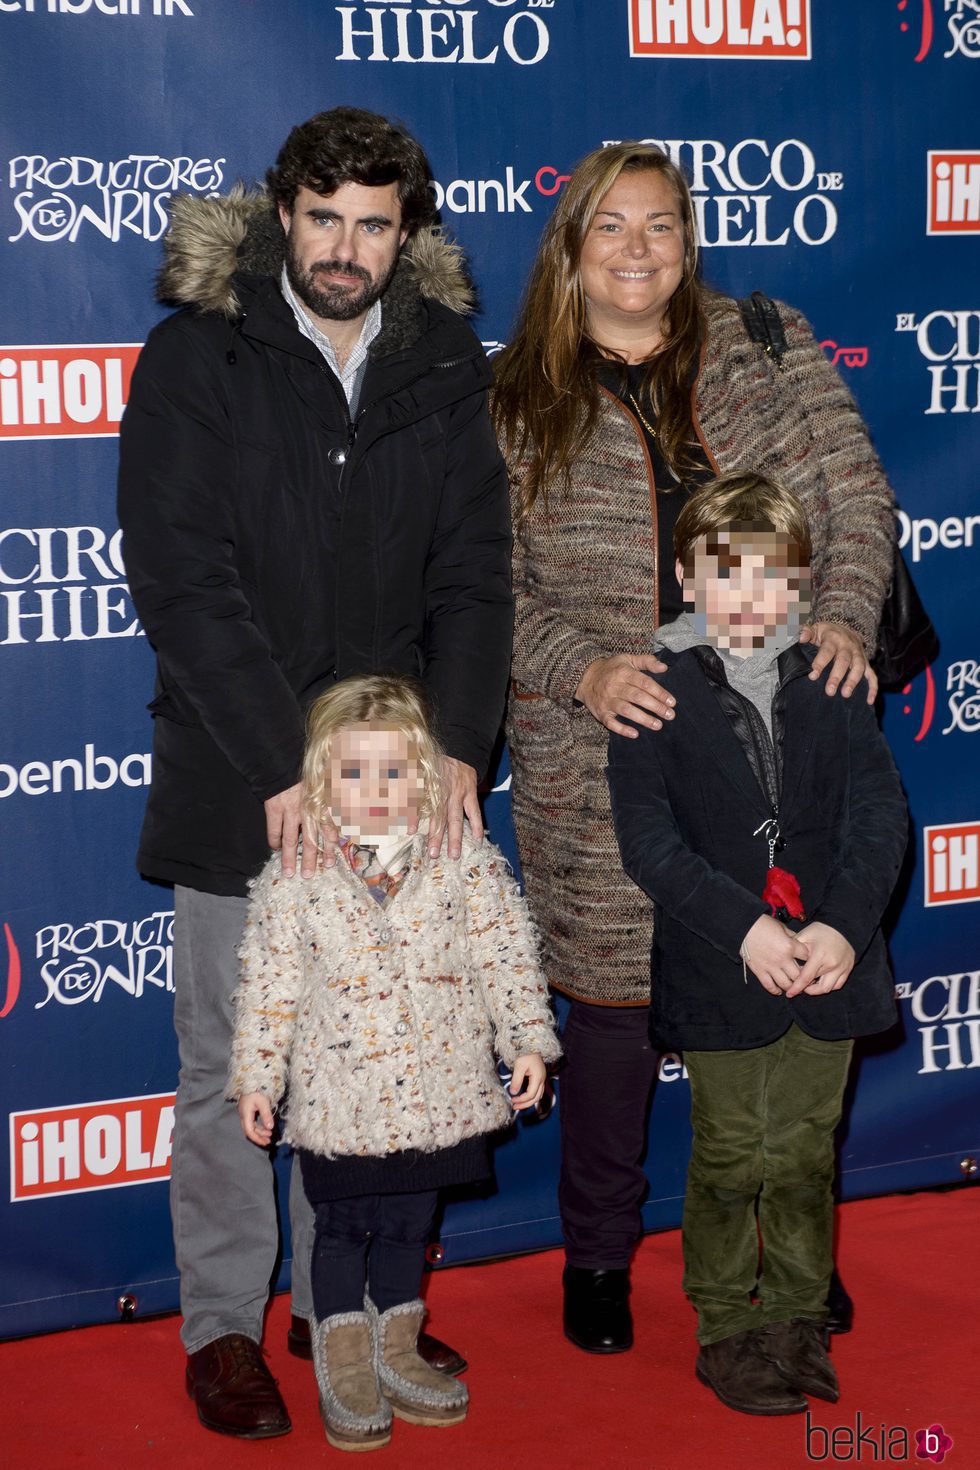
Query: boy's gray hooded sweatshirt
point(755, 677)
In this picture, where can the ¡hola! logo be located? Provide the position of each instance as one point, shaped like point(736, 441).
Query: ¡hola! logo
point(954, 191)
point(65, 392)
point(737, 30)
point(952, 863)
point(485, 32)
point(86, 1146)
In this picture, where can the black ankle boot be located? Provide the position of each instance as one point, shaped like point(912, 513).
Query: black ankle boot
point(840, 1308)
point(597, 1314)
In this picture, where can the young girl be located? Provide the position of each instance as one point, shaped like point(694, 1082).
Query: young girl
point(377, 992)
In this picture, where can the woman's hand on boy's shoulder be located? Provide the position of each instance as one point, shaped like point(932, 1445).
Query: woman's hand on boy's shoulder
point(531, 1069)
point(621, 688)
point(842, 649)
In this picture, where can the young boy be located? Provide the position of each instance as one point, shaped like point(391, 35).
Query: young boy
point(768, 825)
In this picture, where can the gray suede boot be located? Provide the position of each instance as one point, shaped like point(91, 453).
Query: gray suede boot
point(416, 1392)
point(355, 1414)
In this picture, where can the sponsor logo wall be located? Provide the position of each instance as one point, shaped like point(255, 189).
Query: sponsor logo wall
point(772, 107)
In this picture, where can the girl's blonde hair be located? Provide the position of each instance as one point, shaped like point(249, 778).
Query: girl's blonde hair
point(376, 699)
point(546, 398)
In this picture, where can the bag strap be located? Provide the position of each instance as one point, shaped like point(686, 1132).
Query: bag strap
point(764, 325)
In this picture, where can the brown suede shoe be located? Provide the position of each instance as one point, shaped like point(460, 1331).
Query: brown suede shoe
point(745, 1380)
point(437, 1354)
point(234, 1391)
point(798, 1351)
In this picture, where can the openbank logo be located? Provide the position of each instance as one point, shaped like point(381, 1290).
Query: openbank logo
point(954, 192)
point(485, 32)
point(952, 864)
point(63, 584)
point(497, 196)
point(114, 8)
point(88, 772)
point(87, 1146)
point(54, 198)
point(737, 30)
point(949, 342)
point(65, 392)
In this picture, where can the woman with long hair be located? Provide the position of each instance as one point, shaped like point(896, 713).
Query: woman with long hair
point(627, 384)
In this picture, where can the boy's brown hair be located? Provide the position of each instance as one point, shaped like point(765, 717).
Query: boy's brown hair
point(741, 501)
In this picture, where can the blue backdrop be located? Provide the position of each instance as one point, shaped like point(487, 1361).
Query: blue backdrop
point(835, 157)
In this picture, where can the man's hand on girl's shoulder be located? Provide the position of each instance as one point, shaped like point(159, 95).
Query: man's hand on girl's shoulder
point(286, 821)
point(460, 800)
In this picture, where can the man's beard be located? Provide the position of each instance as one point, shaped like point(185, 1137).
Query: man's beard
point(331, 302)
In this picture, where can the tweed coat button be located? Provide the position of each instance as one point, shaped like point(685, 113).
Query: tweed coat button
point(401, 1028)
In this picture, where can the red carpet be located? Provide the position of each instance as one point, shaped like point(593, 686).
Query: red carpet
point(114, 1395)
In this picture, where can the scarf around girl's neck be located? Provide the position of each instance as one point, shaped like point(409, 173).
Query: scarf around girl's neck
point(383, 879)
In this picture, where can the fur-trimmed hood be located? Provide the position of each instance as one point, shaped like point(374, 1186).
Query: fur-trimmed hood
point(213, 241)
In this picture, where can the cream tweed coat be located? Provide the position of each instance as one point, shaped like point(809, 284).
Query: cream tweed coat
point(586, 586)
point(383, 1021)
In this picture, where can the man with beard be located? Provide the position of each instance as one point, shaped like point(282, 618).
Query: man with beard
point(309, 488)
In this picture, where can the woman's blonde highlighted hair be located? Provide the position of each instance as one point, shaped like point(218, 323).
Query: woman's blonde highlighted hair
point(378, 700)
point(741, 501)
point(546, 399)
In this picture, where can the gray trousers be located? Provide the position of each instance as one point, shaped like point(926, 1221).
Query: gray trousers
point(226, 1231)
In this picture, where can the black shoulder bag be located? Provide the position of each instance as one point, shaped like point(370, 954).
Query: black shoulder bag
point(907, 640)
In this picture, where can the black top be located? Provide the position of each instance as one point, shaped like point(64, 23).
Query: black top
point(671, 493)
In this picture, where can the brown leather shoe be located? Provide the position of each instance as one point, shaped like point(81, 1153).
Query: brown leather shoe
point(234, 1391)
point(745, 1380)
point(437, 1354)
point(798, 1350)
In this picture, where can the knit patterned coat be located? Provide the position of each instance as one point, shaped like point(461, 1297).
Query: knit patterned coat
point(383, 1021)
point(586, 580)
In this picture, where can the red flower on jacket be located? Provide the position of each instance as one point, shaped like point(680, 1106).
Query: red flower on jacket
point(782, 894)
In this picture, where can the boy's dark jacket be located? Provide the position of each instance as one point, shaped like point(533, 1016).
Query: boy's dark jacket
point(272, 549)
point(686, 803)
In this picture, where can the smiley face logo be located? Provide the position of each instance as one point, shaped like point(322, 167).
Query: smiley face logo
point(928, 709)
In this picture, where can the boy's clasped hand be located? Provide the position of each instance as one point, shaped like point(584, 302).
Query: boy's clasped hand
point(817, 960)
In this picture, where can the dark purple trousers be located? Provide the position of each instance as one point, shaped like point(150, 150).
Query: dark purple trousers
point(604, 1098)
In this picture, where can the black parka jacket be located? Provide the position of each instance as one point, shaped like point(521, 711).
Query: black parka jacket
point(273, 546)
point(689, 802)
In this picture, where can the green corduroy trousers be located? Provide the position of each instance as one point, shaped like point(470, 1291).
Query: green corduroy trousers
point(764, 1124)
